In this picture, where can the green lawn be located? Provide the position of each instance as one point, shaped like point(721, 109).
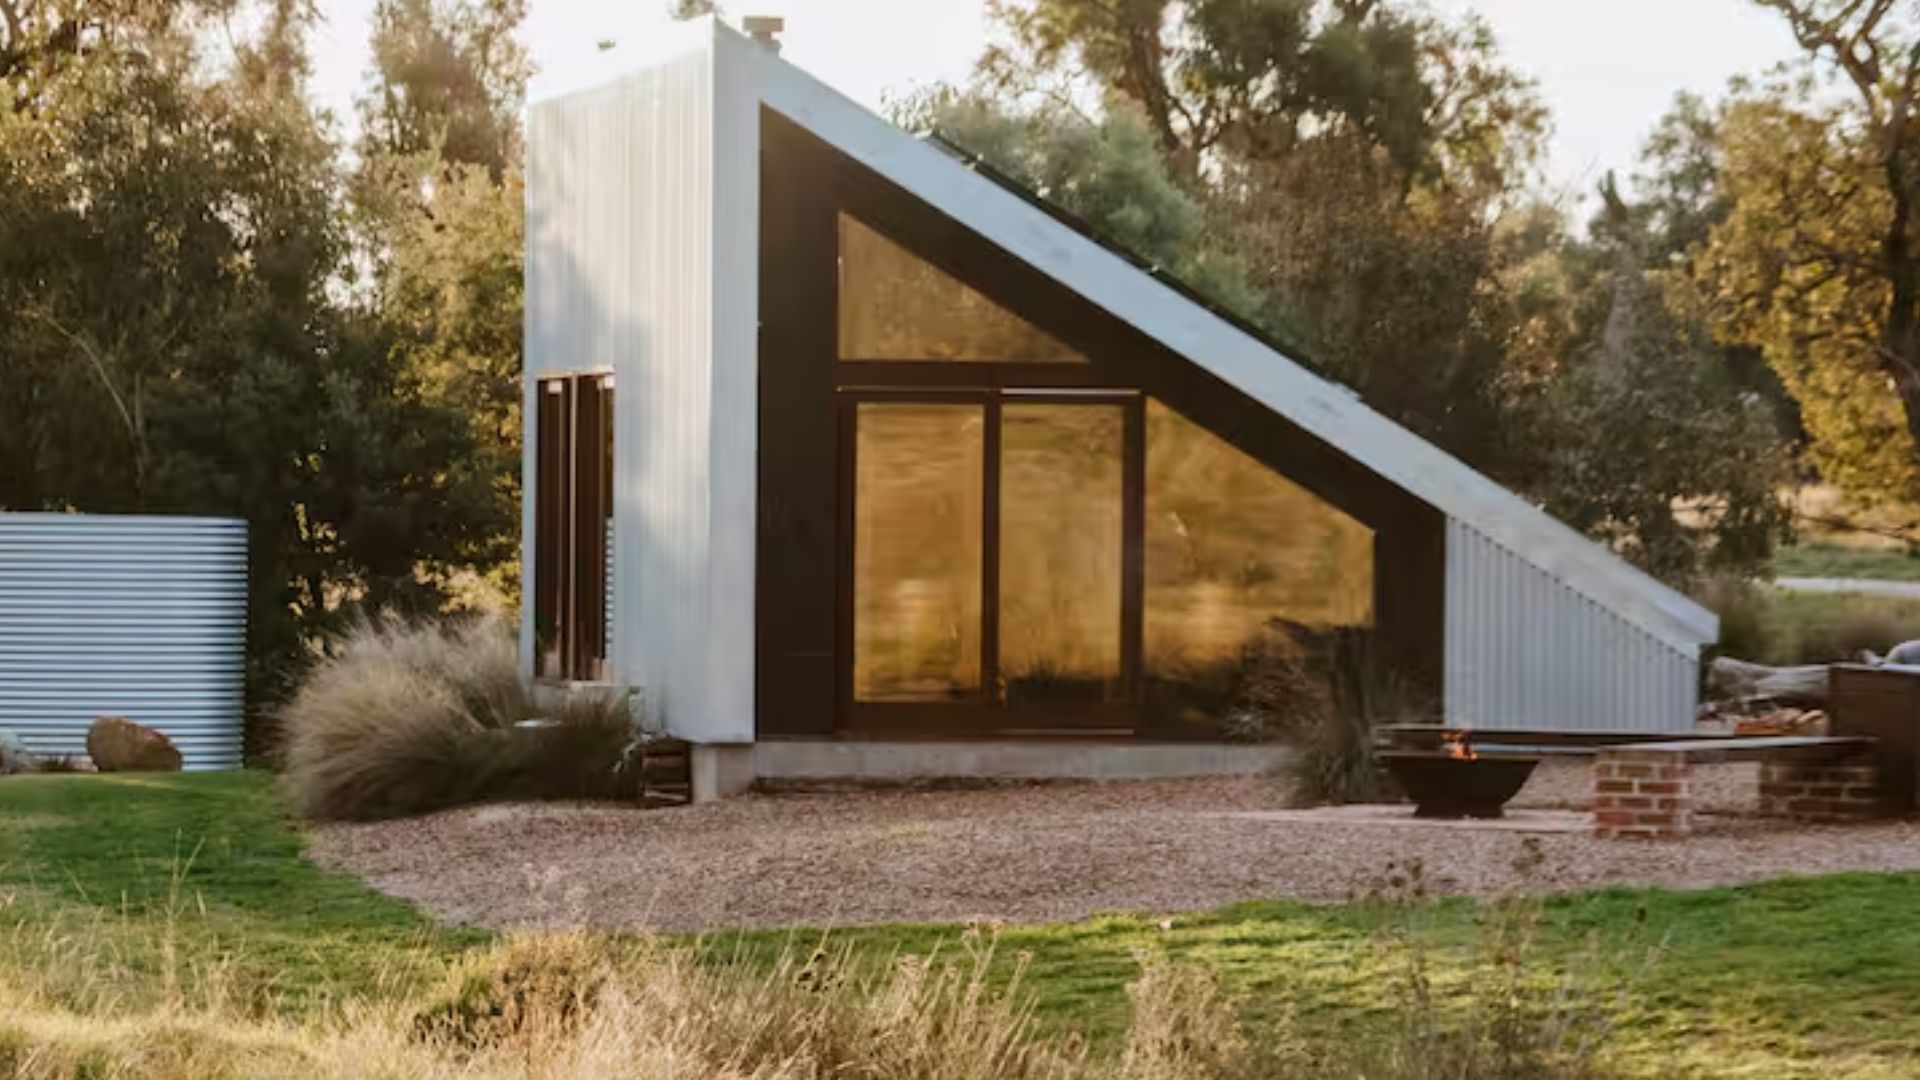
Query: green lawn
point(1830, 560)
point(1812, 978)
point(1788, 979)
point(103, 877)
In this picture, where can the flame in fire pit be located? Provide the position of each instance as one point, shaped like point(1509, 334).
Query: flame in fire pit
point(1458, 745)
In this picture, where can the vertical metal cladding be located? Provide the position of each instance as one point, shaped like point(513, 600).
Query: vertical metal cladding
point(134, 616)
point(622, 277)
point(1524, 650)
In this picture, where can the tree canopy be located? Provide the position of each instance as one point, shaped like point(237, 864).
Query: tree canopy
point(217, 303)
point(1360, 177)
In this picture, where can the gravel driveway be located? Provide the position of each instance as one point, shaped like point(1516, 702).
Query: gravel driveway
point(1034, 853)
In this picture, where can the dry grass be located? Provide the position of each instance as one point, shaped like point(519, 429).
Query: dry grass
point(404, 717)
point(1775, 626)
point(566, 1005)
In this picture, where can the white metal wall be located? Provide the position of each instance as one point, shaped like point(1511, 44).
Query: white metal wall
point(141, 617)
point(620, 277)
point(1524, 650)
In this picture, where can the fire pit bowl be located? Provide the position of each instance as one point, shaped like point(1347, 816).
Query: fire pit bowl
point(1447, 785)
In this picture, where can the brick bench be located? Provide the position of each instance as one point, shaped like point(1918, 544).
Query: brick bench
point(1822, 792)
point(1645, 790)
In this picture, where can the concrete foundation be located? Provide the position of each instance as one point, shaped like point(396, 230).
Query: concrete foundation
point(847, 761)
point(720, 769)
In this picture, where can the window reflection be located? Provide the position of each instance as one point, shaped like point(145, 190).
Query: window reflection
point(1060, 552)
point(1231, 547)
point(895, 305)
point(917, 551)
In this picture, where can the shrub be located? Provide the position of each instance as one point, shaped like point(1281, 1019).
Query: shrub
point(1324, 694)
point(521, 985)
point(1778, 626)
point(402, 718)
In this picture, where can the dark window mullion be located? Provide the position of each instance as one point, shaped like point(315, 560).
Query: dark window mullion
point(990, 558)
point(1133, 528)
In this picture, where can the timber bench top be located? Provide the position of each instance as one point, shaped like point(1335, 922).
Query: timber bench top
point(1753, 747)
point(1701, 748)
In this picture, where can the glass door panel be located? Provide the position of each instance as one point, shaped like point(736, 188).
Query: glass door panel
point(919, 496)
point(1061, 551)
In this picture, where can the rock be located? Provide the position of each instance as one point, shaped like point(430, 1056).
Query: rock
point(14, 755)
point(117, 744)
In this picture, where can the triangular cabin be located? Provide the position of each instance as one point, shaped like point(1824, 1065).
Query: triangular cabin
point(855, 462)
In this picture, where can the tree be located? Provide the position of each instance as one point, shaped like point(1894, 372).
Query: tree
point(1106, 171)
point(1656, 449)
point(439, 203)
point(173, 252)
point(1354, 177)
point(448, 78)
point(1358, 154)
point(1254, 79)
point(1817, 261)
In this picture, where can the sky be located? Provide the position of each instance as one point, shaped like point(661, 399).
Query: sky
point(1606, 68)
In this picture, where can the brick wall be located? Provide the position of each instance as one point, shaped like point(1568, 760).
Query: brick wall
point(1642, 793)
point(1825, 791)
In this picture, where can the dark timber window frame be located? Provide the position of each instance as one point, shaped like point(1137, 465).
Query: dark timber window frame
point(804, 594)
point(987, 712)
point(573, 506)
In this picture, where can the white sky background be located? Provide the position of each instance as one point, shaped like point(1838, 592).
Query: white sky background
point(1606, 68)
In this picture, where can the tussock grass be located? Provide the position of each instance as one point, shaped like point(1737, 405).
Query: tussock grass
point(406, 717)
point(577, 1005)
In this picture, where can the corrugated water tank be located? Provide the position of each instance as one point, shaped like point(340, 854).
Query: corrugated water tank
point(124, 615)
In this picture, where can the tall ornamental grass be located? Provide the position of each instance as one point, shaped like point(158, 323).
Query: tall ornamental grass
point(407, 717)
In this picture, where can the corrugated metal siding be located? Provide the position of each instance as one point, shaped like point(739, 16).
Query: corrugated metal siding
point(141, 617)
point(1524, 650)
point(620, 277)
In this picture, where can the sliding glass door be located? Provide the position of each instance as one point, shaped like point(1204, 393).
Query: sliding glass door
point(992, 578)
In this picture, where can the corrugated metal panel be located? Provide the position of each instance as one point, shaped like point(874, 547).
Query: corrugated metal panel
point(1524, 650)
point(621, 277)
point(141, 617)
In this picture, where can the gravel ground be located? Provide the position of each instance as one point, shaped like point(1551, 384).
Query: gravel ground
point(1032, 853)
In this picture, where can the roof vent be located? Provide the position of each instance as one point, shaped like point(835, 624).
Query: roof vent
point(765, 30)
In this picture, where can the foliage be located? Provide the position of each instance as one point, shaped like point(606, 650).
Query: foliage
point(1328, 170)
point(1836, 560)
point(402, 718)
point(448, 79)
point(1659, 450)
point(1816, 263)
point(1783, 627)
point(1353, 178)
point(1324, 695)
point(186, 340)
point(1250, 81)
point(1104, 170)
point(439, 200)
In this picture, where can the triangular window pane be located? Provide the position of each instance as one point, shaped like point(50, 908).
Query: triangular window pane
point(895, 305)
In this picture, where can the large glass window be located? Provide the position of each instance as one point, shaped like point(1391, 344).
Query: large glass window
point(1061, 524)
point(1235, 550)
point(917, 567)
point(895, 305)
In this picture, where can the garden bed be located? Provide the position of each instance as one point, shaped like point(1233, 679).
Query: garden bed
point(1035, 853)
